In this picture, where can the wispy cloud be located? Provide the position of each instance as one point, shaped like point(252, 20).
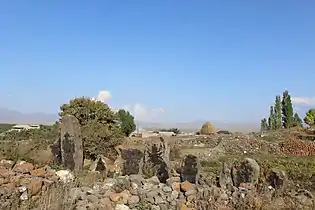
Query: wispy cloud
point(303, 100)
point(141, 112)
point(138, 110)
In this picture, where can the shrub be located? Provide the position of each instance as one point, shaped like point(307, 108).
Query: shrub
point(32, 151)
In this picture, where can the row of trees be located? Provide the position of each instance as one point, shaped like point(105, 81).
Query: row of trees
point(281, 114)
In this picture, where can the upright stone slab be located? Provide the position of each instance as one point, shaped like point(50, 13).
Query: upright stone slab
point(190, 169)
point(245, 171)
point(156, 161)
point(71, 143)
point(55, 149)
point(225, 179)
point(277, 178)
point(130, 160)
point(99, 165)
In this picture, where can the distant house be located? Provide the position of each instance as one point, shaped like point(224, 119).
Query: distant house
point(143, 134)
point(167, 133)
point(23, 127)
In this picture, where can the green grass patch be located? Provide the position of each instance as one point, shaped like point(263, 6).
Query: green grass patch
point(5, 127)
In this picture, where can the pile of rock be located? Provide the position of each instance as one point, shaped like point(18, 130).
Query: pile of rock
point(236, 189)
point(135, 192)
point(297, 147)
point(198, 141)
point(23, 181)
point(181, 190)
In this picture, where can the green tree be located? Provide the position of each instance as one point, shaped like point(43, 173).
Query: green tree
point(271, 119)
point(278, 113)
point(310, 117)
point(100, 130)
point(264, 125)
point(127, 122)
point(297, 121)
point(287, 110)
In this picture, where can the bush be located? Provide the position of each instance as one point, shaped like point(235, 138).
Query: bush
point(34, 151)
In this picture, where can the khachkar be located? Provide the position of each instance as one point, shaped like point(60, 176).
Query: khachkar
point(156, 161)
point(71, 147)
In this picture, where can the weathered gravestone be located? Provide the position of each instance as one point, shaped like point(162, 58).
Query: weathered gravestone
point(156, 161)
point(99, 165)
point(190, 169)
point(277, 178)
point(71, 143)
point(225, 177)
point(56, 151)
point(130, 160)
point(245, 171)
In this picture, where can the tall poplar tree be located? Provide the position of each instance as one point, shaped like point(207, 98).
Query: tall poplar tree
point(287, 110)
point(297, 121)
point(278, 113)
point(264, 125)
point(271, 119)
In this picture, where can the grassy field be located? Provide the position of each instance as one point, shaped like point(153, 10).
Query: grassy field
point(5, 127)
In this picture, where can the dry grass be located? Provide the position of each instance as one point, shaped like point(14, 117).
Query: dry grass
point(86, 178)
point(31, 151)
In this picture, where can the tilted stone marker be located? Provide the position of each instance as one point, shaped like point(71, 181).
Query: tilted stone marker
point(99, 165)
point(245, 171)
point(225, 179)
point(156, 161)
point(71, 143)
point(130, 160)
point(56, 151)
point(190, 169)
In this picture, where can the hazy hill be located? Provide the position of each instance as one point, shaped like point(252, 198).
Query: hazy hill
point(16, 117)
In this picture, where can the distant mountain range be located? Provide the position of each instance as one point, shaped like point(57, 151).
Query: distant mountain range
point(16, 117)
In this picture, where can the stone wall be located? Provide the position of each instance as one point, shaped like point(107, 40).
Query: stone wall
point(20, 181)
point(184, 141)
point(236, 189)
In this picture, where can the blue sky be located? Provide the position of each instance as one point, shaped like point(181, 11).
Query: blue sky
point(164, 60)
